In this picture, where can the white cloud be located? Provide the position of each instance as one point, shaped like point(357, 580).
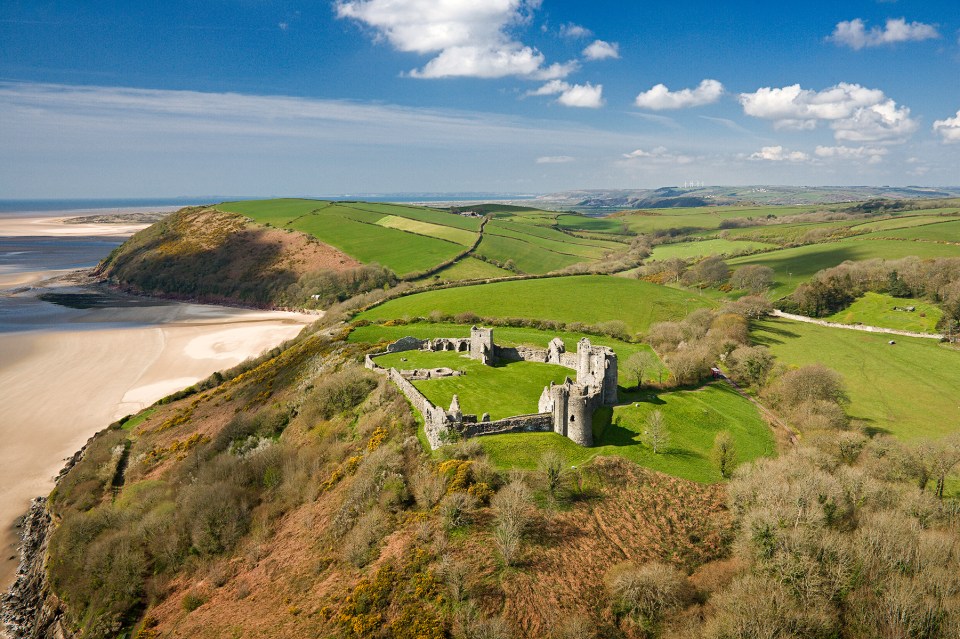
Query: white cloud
point(949, 128)
point(555, 159)
point(658, 155)
point(571, 30)
point(779, 154)
point(855, 113)
point(468, 38)
point(872, 155)
point(573, 95)
point(854, 34)
point(660, 97)
point(601, 50)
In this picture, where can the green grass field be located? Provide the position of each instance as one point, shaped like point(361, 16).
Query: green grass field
point(876, 309)
point(528, 257)
point(471, 268)
point(583, 298)
point(942, 231)
point(908, 389)
point(796, 265)
point(693, 419)
point(403, 238)
point(503, 391)
point(707, 247)
point(510, 336)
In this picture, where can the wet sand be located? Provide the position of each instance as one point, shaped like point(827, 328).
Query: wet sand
point(66, 373)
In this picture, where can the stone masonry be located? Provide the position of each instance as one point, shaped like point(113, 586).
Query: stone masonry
point(565, 408)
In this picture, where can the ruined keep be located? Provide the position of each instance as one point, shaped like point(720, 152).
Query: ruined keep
point(565, 408)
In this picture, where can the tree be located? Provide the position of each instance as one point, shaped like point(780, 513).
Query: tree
point(657, 436)
point(938, 459)
point(751, 364)
point(810, 383)
point(553, 468)
point(724, 453)
point(641, 363)
point(752, 277)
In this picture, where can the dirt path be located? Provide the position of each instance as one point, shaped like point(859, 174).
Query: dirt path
point(855, 327)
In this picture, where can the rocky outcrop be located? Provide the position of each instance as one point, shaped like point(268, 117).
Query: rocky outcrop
point(29, 610)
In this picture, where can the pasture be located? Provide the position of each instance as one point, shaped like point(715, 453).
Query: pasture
point(703, 248)
point(693, 419)
point(796, 265)
point(908, 389)
point(591, 299)
point(876, 309)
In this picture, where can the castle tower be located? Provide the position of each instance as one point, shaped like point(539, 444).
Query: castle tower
point(580, 416)
point(610, 378)
point(481, 344)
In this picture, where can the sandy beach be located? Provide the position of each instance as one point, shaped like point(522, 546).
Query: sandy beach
point(66, 373)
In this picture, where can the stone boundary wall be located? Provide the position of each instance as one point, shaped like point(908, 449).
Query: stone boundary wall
point(537, 422)
point(434, 417)
point(854, 327)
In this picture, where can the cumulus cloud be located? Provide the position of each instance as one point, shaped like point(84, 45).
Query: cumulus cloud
point(573, 95)
point(601, 50)
point(468, 39)
point(854, 33)
point(949, 129)
point(660, 97)
point(872, 155)
point(658, 155)
point(554, 159)
point(571, 30)
point(855, 113)
point(779, 154)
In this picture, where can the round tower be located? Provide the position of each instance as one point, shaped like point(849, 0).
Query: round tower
point(579, 417)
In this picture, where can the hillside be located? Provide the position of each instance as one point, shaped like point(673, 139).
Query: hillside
point(750, 476)
point(206, 255)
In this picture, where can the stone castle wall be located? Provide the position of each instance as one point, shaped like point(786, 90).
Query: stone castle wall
point(566, 409)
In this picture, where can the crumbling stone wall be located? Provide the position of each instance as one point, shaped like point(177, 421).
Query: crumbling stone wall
point(565, 408)
point(537, 422)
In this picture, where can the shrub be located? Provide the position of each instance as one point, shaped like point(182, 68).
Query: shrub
point(649, 590)
point(456, 509)
point(339, 393)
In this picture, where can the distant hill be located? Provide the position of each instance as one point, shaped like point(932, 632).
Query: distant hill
point(671, 197)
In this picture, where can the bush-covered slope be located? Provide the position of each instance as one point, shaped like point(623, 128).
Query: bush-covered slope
point(211, 256)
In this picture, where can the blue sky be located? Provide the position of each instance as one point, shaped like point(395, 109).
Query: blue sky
point(260, 97)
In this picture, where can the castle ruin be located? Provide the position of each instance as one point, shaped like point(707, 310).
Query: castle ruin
point(566, 408)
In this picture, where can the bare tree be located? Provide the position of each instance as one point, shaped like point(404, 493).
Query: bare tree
point(640, 364)
point(752, 277)
point(656, 435)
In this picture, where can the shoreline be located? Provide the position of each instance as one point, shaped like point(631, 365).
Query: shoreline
point(67, 373)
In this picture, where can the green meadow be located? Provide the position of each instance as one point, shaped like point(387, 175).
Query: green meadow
point(704, 248)
point(693, 419)
point(908, 389)
point(584, 298)
point(876, 309)
point(504, 390)
point(796, 265)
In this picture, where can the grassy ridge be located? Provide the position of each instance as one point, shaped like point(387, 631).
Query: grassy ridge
point(586, 298)
point(908, 389)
